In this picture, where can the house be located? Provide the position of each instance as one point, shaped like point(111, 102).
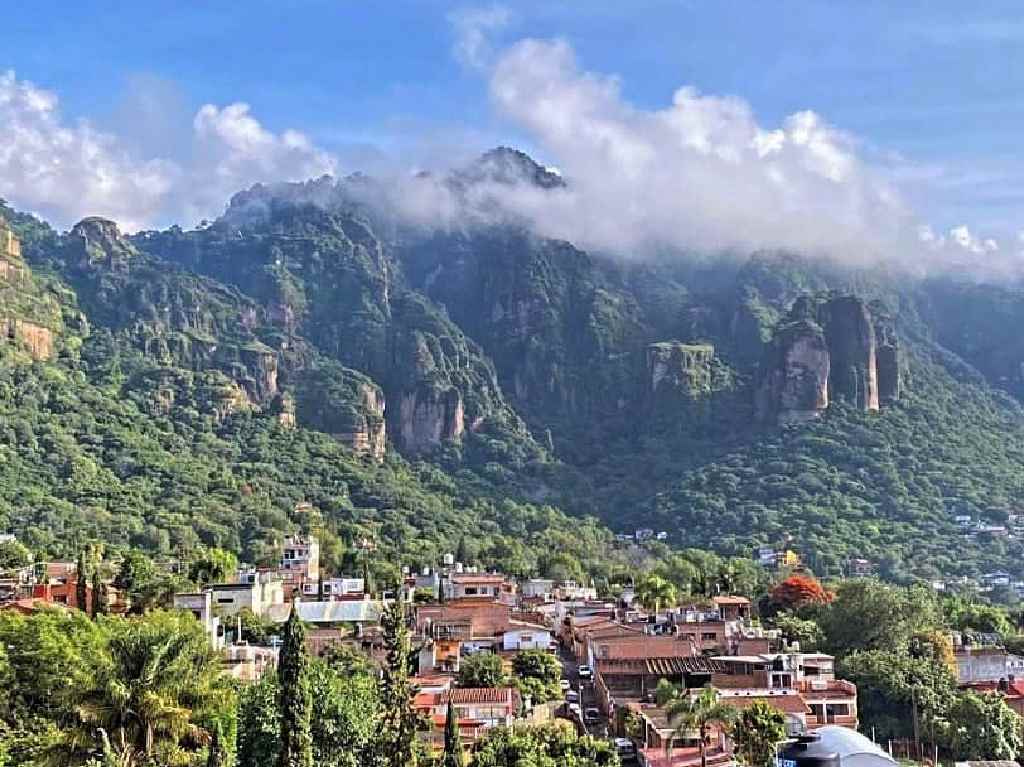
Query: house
point(520, 636)
point(200, 604)
point(860, 568)
point(334, 588)
point(986, 664)
point(572, 590)
point(617, 680)
point(356, 613)
point(258, 597)
point(477, 709)
point(248, 663)
point(300, 556)
point(732, 608)
point(1011, 690)
point(477, 585)
point(537, 587)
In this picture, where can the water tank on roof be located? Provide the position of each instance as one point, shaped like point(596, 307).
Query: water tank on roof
point(807, 751)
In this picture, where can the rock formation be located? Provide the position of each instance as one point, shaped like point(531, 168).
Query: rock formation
point(679, 368)
point(369, 433)
point(430, 416)
point(827, 350)
point(27, 316)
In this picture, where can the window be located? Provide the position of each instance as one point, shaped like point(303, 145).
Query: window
point(709, 636)
point(224, 600)
point(470, 591)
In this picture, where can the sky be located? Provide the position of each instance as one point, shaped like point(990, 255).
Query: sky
point(844, 125)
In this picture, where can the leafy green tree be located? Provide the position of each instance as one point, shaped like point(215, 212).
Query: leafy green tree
point(14, 554)
point(347, 661)
point(345, 712)
point(654, 593)
point(547, 745)
point(217, 755)
point(213, 566)
point(453, 756)
point(536, 673)
point(803, 630)
point(756, 733)
point(982, 727)
point(698, 714)
point(399, 722)
point(869, 615)
point(971, 616)
point(293, 697)
point(891, 684)
point(481, 669)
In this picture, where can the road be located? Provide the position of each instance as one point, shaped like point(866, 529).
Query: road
point(588, 698)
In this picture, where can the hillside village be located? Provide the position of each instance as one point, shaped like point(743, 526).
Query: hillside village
point(617, 655)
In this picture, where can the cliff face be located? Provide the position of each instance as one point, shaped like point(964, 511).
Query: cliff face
point(794, 387)
point(828, 350)
point(428, 417)
point(29, 316)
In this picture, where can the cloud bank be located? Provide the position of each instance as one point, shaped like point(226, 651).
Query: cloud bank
point(66, 170)
point(700, 173)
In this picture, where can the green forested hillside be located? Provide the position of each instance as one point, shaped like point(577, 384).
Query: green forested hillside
point(489, 383)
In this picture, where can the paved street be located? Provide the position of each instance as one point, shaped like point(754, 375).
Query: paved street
point(585, 689)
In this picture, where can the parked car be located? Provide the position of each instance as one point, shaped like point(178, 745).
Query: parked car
point(591, 715)
point(572, 697)
point(574, 710)
point(585, 672)
point(626, 749)
point(564, 685)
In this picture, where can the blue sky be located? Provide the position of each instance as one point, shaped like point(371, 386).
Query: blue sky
point(930, 93)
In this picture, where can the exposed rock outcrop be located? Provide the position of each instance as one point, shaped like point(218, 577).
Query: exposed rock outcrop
point(827, 350)
point(677, 368)
point(100, 244)
point(794, 386)
point(369, 435)
point(428, 417)
point(35, 339)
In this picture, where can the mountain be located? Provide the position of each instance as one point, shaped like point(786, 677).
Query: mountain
point(733, 402)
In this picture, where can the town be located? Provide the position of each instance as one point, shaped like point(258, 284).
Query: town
point(499, 652)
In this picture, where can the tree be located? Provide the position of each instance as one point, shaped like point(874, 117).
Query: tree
point(81, 583)
point(795, 629)
point(891, 684)
point(216, 754)
point(546, 745)
point(983, 727)
point(452, 743)
point(212, 566)
point(481, 669)
point(869, 615)
point(398, 722)
point(369, 587)
point(99, 594)
point(293, 698)
point(654, 592)
point(156, 681)
point(756, 732)
point(798, 590)
point(14, 554)
point(536, 675)
point(698, 713)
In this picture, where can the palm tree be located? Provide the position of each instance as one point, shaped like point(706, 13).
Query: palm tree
point(698, 713)
point(156, 679)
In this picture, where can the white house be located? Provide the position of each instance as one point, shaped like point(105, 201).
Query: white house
point(525, 636)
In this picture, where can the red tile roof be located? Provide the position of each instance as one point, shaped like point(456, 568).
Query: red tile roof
point(728, 600)
point(789, 704)
point(640, 647)
point(467, 696)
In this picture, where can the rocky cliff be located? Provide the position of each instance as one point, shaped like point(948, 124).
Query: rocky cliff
point(30, 316)
point(828, 349)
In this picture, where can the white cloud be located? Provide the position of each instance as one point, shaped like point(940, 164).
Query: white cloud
point(66, 170)
point(473, 28)
point(701, 172)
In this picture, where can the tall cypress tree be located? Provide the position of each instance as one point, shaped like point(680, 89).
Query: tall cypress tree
point(99, 594)
point(81, 582)
point(399, 721)
point(368, 585)
point(217, 755)
point(294, 703)
point(452, 742)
